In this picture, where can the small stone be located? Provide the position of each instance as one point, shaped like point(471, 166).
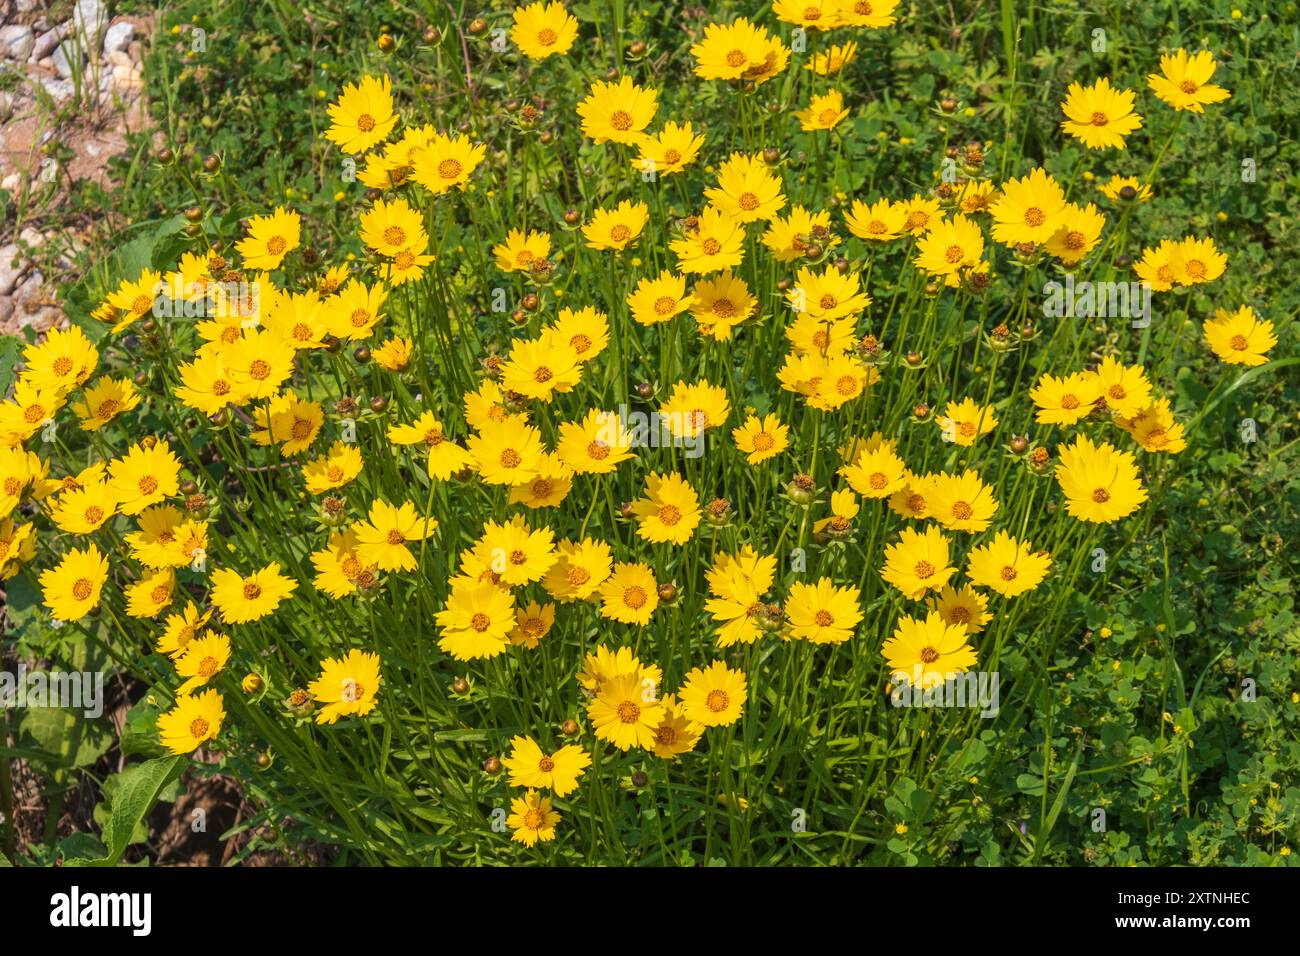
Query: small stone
point(9, 269)
point(118, 37)
point(60, 90)
point(119, 58)
point(65, 55)
point(136, 51)
point(11, 183)
point(45, 43)
point(16, 42)
point(31, 237)
point(90, 19)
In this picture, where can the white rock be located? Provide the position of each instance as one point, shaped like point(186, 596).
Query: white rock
point(11, 183)
point(45, 43)
point(118, 37)
point(6, 106)
point(16, 42)
point(9, 270)
point(30, 236)
point(64, 56)
point(90, 18)
point(60, 90)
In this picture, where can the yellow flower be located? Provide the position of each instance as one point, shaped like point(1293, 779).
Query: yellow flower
point(84, 510)
point(747, 190)
point(827, 295)
point(511, 453)
point(355, 310)
point(675, 733)
point(135, 299)
point(71, 589)
point(618, 112)
point(925, 653)
point(339, 569)
point(532, 623)
point(391, 227)
point(144, 476)
point(867, 13)
point(477, 621)
point(669, 512)
point(616, 228)
point(1101, 484)
point(61, 362)
point(961, 502)
point(289, 420)
point(823, 112)
point(834, 59)
point(1124, 388)
point(394, 355)
point(17, 547)
point(876, 472)
point(532, 819)
point(548, 488)
point(950, 248)
point(626, 712)
point(363, 115)
point(333, 470)
point(1066, 401)
point(270, 239)
point(918, 562)
point(713, 696)
point(152, 595)
point(1196, 261)
point(515, 552)
point(659, 299)
point(716, 242)
point(1007, 566)
point(1028, 210)
point(815, 14)
point(788, 238)
point(1080, 229)
point(347, 686)
point(1154, 428)
point(966, 421)
point(692, 409)
point(594, 446)
point(720, 304)
point(192, 722)
point(669, 151)
point(880, 221)
point(540, 368)
point(203, 659)
point(543, 29)
point(761, 439)
point(530, 766)
point(1099, 116)
point(629, 595)
point(241, 599)
point(586, 331)
point(104, 401)
point(580, 568)
point(446, 162)
point(1184, 81)
point(383, 539)
point(737, 50)
point(964, 606)
point(823, 613)
point(180, 630)
point(521, 250)
point(1240, 337)
point(1111, 189)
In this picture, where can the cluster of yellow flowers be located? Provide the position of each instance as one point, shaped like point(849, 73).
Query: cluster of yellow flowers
point(258, 336)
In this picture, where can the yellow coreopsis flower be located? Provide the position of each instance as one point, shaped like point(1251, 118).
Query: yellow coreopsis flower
point(630, 594)
point(1008, 566)
point(243, 598)
point(659, 299)
point(61, 362)
point(71, 589)
point(924, 653)
point(1240, 337)
point(521, 250)
point(347, 686)
point(383, 539)
point(1184, 81)
point(965, 421)
point(530, 766)
point(145, 475)
point(543, 29)
point(477, 621)
point(715, 242)
point(747, 190)
point(823, 613)
point(824, 112)
point(194, 721)
point(363, 115)
point(204, 658)
point(1101, 484)
point(270, 239)
point(616, 228)
point(446, 162)
point(918, 562)
point(1099, 116)
point(961, 502)
point(761, 439)
point(669, 512)
point(626, 712)
point(618, 112)
point(333, 470)
point(104, 401)
point(532, 819)
point(713, 696)
point(1028, 210)
point(152, 595)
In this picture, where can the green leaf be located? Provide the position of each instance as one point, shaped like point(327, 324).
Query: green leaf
point(137, 792)
point(11, 346)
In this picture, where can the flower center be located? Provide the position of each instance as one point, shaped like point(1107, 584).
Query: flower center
point(924, 569)
point(450, 168)
point(260, 369)
point(395, 235)
point(717, 701)
point(953, 254)
point(480, 622)
point(81, 588)
point(628, 712)
point(546, 36)
point(736, 58)
point(962, 510)
point(929, 655)
point(577, 576)
point(620, 233)
point(711, 246)
point(275, 245)
point(396, 537)
point(1099, 119)
point(198, 728)
point(510, 458)
point(824, 618)
point(748, 202)
point(1008, 573)
point(1035, 216)
point(252, 591)
point(763, 441)
point(621, 120)
point(598, 450)
point(1239, 343)
point(1069, 401)
point(365, 122)
point(665, 304)
point(148, 485)
point(1101, 496)
point(634, 597)
point(670, 515)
